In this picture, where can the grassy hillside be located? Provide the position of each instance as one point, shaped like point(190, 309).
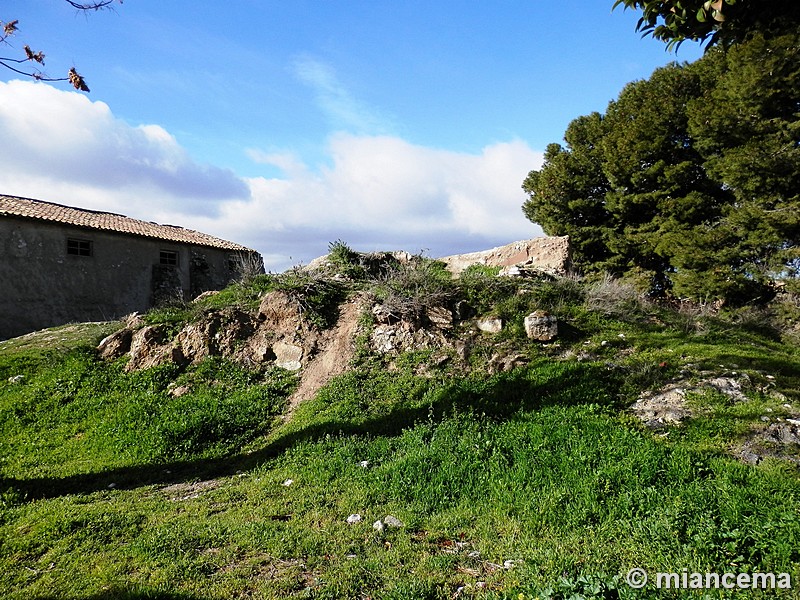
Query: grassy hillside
point(531, 482)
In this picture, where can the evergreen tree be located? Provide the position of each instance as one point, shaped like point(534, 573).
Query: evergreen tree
point(690, 179)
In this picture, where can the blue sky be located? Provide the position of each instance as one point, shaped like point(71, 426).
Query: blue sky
point(288, 125)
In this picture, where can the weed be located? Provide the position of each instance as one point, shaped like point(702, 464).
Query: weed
point(613, 297)
point(407, 289)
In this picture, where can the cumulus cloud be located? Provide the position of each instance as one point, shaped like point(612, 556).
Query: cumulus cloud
point(374, 191)
point(382, 192)
point(56, 140)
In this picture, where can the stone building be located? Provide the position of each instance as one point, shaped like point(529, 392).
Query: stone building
point(60, 264)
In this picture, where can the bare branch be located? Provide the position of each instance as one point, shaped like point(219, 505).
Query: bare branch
point(91, 5)
point(10, 28)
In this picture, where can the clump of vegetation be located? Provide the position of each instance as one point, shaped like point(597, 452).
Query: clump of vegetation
point(405, 290)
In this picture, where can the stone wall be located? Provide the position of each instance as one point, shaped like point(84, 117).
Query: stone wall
point(42, 285)
point(549, 254)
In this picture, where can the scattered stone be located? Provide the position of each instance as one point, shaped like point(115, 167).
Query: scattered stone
point(16, 379)
point(364, 464)
point(490, 325)
point(665, 407)
point(288, 356)
point(784, 432)
point(378, 525)
point(403, 336)
point(391, 521)
point(354, 518)
point(729, 386)
point(541, 325)
point(288, 482)
point(501, 362)
point(749, 457)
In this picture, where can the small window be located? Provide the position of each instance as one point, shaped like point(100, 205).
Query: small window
point(78, 247)
point(168, 257)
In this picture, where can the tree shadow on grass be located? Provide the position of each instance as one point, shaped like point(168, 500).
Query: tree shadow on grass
point(498, 398)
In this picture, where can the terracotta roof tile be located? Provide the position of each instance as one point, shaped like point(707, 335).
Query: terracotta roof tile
point(57, 213)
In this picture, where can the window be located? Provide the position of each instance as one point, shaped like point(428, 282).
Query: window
point(78, 247)
point(168, 257)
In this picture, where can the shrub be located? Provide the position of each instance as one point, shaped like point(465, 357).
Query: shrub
point(408, 288)
point(318, 296)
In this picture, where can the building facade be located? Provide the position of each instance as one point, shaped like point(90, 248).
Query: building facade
point(60, 264)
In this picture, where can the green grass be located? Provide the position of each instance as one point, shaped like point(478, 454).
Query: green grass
point(112, 487)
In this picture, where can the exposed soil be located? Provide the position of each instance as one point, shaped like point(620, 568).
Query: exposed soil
point(336, 348)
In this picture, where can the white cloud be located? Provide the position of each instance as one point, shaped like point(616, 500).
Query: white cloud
point(377, 192)
point(56, 140)
point(337, 103)
point(382, 192)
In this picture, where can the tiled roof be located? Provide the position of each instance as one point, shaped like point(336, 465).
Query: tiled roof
point(57, 213)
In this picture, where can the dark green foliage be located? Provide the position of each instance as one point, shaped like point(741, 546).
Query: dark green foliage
point(688, 183)
point(723, 21)
point(567, 196)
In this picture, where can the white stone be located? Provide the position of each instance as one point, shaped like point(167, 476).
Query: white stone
point(287, 356)
point(391, 521)
point(490, 325)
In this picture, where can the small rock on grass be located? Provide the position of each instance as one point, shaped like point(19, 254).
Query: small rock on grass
point(354, 518)
point(391, 521)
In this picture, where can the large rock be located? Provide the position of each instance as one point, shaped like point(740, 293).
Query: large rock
point(288, 356)
point(149, 348)
point(547, 254)
point(541, 325)
point(195, 340)
point(403, 337)
point(116, 344)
